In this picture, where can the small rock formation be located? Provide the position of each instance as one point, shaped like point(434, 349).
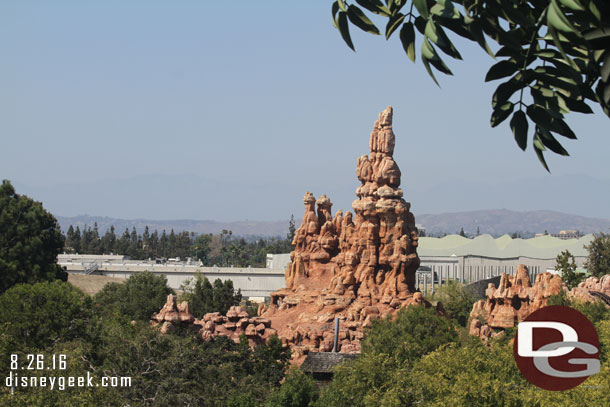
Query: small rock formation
point(172, 315)
point(234, 324)
point(592, 284)
point(513, 300)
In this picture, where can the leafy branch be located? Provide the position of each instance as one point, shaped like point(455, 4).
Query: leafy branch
point(555, 54)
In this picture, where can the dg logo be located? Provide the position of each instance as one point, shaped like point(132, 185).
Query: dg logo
point(556, 348)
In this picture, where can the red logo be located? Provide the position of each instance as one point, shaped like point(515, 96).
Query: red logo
point(556, 348)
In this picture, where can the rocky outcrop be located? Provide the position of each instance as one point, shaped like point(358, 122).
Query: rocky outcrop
point(512, 301)
point(172, 315)
point(371, 254)
point(592, 284)
point(236, 323)
point(355, 267)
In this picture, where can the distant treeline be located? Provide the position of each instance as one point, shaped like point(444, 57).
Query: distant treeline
point(222, 249)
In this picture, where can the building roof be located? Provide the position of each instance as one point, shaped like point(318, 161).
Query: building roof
point(324, 362)
point(541, 247)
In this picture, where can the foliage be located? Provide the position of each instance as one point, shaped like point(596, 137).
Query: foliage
point(390, 348)
point(299, 390)
point(455, 376)
point(203, 297)
point(598, 262)
point(554, 56)
point(412, 333)
point(457, 301)
point(36, 316)
point(30, 241)
point(141, 295)
point(566, 265)
point(222, 249)
point(184, 370)
point(595, 311)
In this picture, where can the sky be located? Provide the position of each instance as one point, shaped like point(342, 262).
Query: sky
point(232, 110)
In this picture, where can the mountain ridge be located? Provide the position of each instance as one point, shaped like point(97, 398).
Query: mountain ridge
point(493, 221)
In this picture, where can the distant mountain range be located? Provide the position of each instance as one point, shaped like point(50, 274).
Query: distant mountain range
point(501, 221)
point(495, 222)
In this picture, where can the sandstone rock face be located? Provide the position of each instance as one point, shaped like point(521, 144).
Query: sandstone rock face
point(512, 301)
point(234, 324)
point(173, 314)
point(582, 291)
point(354, 267)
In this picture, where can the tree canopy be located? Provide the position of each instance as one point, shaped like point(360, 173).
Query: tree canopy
point(203, 297)
point(141, 295)
point(598, 261)
point(30, 240)
point(553, 57)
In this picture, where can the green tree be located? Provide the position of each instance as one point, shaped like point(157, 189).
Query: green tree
point(299, 390)
point(200, 295)
point(30, 240)
point(598, 262)
point(412, 333)
point(291, 229)
point(184, 370)
point(141, 295)
point(36, 316)
point(462, 232)
point(553, 55)
point(457, 301)
point(566, 265)
point(391, 347)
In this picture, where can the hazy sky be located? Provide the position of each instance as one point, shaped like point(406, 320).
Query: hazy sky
point(232, 110)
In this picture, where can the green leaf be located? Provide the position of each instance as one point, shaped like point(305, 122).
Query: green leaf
point(519, 126)
point(360, 20)
point(558, 20)
point(501, 70)
point(505, 90)
point(342, 5)
point(578, 106)
point(445, 9)
point(375, 6)
point(539, 148)
point(500, 113)
point(573, 4)
point(551, 142)
point(477, 33)
point(335, 10)
point(559, 126)
point(437, 35)
point(598, 38)
point(344, 29)
point(422, 7)
point(557, 41)
point(407, 38)
point(429, 54)
point(539, 116)
point(393, 23)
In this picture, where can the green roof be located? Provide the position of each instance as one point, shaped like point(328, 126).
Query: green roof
point(542, 247)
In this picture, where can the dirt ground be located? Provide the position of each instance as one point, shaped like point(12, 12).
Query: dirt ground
point(91, 284)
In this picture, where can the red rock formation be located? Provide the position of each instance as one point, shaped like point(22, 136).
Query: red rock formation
point(234, 324)
point(173, 314)
point(513, 300)
point(581, 292)
point(354, 267)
